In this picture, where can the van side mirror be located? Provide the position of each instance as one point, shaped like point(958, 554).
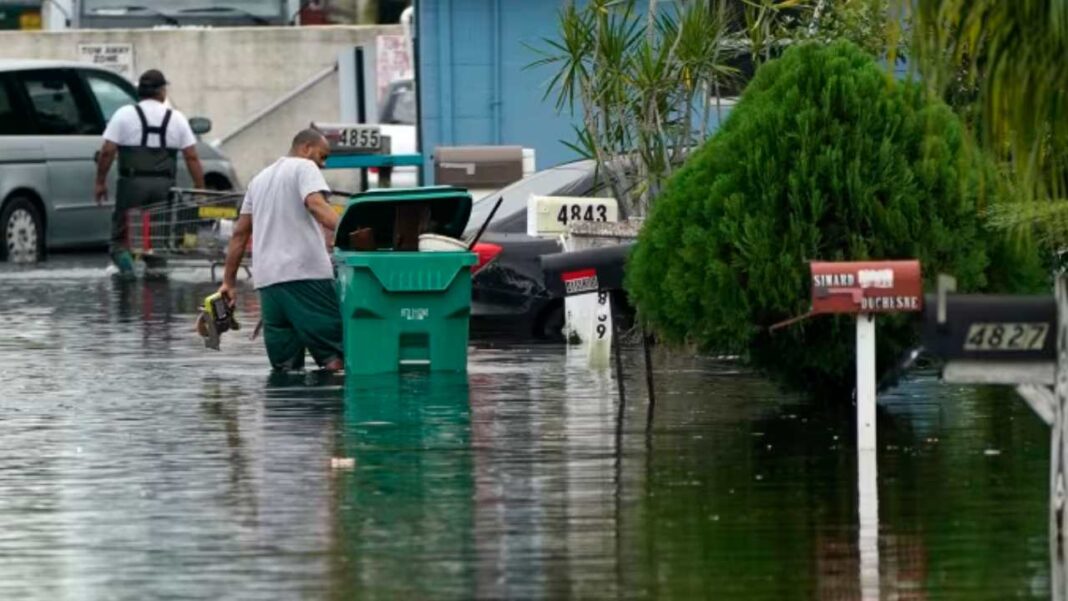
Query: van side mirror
point(200, 125)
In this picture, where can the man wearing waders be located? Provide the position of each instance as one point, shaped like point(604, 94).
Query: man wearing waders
point(146, 137)
point(287, 208)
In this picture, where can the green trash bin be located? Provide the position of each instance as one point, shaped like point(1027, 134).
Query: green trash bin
point(402, 308)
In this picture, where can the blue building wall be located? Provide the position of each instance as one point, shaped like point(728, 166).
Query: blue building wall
point(475, 87)
point(475, 84)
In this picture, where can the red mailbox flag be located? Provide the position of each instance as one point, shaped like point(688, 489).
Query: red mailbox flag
point(867, 287)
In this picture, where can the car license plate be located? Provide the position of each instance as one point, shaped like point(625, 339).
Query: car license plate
point(210, 212)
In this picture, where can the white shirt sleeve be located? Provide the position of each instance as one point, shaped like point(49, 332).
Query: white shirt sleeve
point(183, 134)
point(310, 180)
point(118, 129)
point(246, 204)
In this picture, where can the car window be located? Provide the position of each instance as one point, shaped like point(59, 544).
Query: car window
point(110, 96)
point(12, 120)
point(544, 183)
point(55, 104)
point(401, 107)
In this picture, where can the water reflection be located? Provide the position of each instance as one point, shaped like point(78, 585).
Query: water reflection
point(135, 464)
point(404, 512)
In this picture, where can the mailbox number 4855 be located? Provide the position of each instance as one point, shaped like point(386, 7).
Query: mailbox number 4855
point(1006, 337)
point(570, 213)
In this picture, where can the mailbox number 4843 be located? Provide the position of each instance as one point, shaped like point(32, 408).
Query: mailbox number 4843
point(1006, 337)
point(570, 213)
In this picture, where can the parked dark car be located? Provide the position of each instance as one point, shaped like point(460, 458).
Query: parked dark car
point(509, 296)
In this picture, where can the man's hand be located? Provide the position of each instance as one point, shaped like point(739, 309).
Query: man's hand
point(101, 193)
point(228, 291)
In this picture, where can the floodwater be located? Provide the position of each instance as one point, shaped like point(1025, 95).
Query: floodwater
point(134, 464)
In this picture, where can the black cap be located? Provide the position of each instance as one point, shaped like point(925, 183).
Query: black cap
point(153, 78)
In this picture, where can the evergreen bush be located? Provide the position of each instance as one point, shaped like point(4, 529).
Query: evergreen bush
point(825, 157)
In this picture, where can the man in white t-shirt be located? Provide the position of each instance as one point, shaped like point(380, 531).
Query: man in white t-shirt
point(146, 137)
point(287, 208)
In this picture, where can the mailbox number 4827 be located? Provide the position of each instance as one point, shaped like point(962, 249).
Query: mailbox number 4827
point(1006, 337)
point(570, 213)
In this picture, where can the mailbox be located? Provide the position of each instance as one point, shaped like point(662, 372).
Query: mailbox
point(584, 271)
point(481, 167)
point(990, 327)
point(867, 287)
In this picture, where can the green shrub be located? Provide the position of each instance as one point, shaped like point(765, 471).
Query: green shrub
point(825, 157)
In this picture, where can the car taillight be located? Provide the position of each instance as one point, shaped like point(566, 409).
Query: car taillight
point(486, 252)
point(372, 169)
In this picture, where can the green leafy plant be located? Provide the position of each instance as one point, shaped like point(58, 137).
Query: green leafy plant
point(644, 84)
point(1009, 56)
point(873, 25)
point(640, 83)
point(825, 157)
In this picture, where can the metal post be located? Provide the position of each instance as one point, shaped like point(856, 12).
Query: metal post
point(601, 332)
point(867, 464)
point(868, 516)
point(619, 380)
point(865, 382)
point(385, 174)
point(649, 381)
point(1058, 449)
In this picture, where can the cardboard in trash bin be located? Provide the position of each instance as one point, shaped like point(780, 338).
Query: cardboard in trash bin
point(397, 217)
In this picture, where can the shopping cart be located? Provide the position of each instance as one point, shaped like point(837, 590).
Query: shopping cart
point(192, 229)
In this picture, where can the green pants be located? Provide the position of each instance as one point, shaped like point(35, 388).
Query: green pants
point(298, 317)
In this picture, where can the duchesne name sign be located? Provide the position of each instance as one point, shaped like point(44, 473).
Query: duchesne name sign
point(866, 287)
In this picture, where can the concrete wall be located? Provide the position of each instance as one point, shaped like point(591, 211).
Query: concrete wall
point(262, 144)
point(227, 75)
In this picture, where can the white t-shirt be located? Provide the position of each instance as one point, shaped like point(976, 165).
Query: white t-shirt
point(287, 241)
point(124, 129)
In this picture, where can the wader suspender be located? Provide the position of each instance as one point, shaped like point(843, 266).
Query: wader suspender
point(160, 131)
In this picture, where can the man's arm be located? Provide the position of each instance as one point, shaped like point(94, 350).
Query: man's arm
point(196, 169)
point(104, 159)
point(322, 211)
point(234, 253)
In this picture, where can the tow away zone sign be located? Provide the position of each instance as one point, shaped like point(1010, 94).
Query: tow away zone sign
point(115, 57)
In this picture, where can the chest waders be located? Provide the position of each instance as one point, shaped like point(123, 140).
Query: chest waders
point(146, 176)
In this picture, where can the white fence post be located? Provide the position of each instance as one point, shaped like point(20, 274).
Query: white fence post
point(866, 382)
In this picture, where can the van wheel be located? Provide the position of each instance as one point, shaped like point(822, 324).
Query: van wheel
point(23, 231)
point(214, 181)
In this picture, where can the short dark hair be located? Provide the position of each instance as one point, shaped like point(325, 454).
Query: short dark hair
point(145, 92)
point(308, 136)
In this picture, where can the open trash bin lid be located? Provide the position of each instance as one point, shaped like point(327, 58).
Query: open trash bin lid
point(396, 218)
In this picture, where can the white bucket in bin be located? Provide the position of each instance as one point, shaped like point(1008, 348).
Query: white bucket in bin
point(439, 243)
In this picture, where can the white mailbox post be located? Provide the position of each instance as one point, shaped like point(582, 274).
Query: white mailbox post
point(587, 316)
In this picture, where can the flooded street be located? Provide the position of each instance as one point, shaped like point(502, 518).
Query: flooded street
point(135, 464)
